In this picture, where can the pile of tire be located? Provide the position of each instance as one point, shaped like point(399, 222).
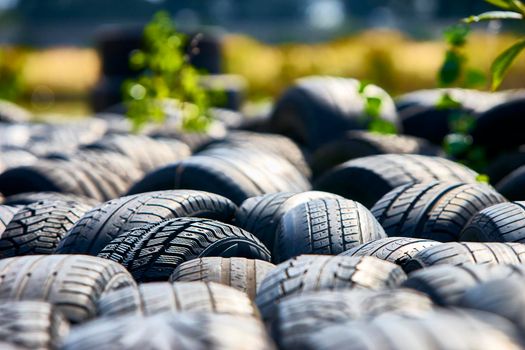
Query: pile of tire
point(255, 240)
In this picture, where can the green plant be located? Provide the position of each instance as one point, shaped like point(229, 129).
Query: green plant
point(11, 78)
point(372, 111)
point(167, 77)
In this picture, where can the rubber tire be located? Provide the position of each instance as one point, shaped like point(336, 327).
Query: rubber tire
point(6, 215)
point(38, 227)
point(312, 273)
point(367, 179)
point(186, 331)
point(299, 316)
point(27, 198)
point(446, 284)
point(72, 283)
point(503, 222)
point(397, 250)
point(242, 274)
point(435, 210)
point(152, 253)
point(461, 253)
point(513, 185)
point(32, 325)
point(262, 215)
point(358, 144)
point(103, 223)
point(325, 226)
point(154, 298)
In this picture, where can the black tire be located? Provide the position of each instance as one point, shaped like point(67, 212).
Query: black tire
point(513, 185)
point(242, 274)
point(397, 250)
point(32, 197)
point(505, 164)
point(461, 253)
point(152, 253)
point(368, 179)
point(12, 113)
point(159, 297)
point(298, 317)
point(435, 210)
point(14, 157)
point(261, 215)
point(443, 330)
point(107, 221)
point(504, 297)
point(147, 153)
point(311, 273)
point(37, 228)
point(230, 175)
point(445, 284)
point(186, 331)
point(325, 226)
point(32, 325)
point(503, 222)
point(72, 283)
point(6, 215)
point(315, 110)
point(358, 144)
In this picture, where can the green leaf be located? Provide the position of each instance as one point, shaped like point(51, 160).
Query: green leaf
point(456, 35)
point(483, 178)
point(447, 102)
point(493, 15)
point(503, 62)
point(504, 4)
point(475, 78)
point(452, 68)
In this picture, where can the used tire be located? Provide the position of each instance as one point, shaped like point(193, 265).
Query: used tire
point(72, 283)
point(447, 284)
point(503, 222)
point(32, 197)
point(159, 297)
point(38, 227)
point(107, 221)
point(242, 274)
point(6, 215)
point(32, 325)
point(151, 253)
point(325, 226)
point(513, 185)
point(435, 210)
point(312, 273)
point(261, 215)
point(397, 250)
point(298, 317)
point(368, 179)
point(461, 253)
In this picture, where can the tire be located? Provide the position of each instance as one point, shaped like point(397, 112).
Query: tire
point(358, 144)
point(107, 221)
point(461, 253)
point(151, 253)
point(226, 91)
point(513, 185)
point(6, 215)
point(446, 284)
point(397, 250)
point(503, 222)
point(505, 164)
point(12, 113)
point(326, 227)
point(504, 297)
point(261, 215)
point(31, 325)
point(72, 283)
point(315, 110)
point(312, 273)
point(242, 274)
point(154, 298)
point(441, 330)
point(27, 198)
point(146, 153)
point(14, 157)
point(229, 175)
point(186, 331)
point(37, 228)
point(298, 317)
point(435, 210)
point(375, 176)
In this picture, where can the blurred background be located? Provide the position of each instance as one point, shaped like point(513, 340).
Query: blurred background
point(55, 55)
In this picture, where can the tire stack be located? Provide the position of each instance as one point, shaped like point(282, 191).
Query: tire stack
point(258, 241)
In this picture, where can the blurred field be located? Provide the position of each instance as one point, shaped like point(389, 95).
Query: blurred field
point(387, 58)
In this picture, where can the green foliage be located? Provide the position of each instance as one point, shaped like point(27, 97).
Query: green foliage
point(504, 61)
point(372, 112)
point(11, 78)
point(167, 77)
